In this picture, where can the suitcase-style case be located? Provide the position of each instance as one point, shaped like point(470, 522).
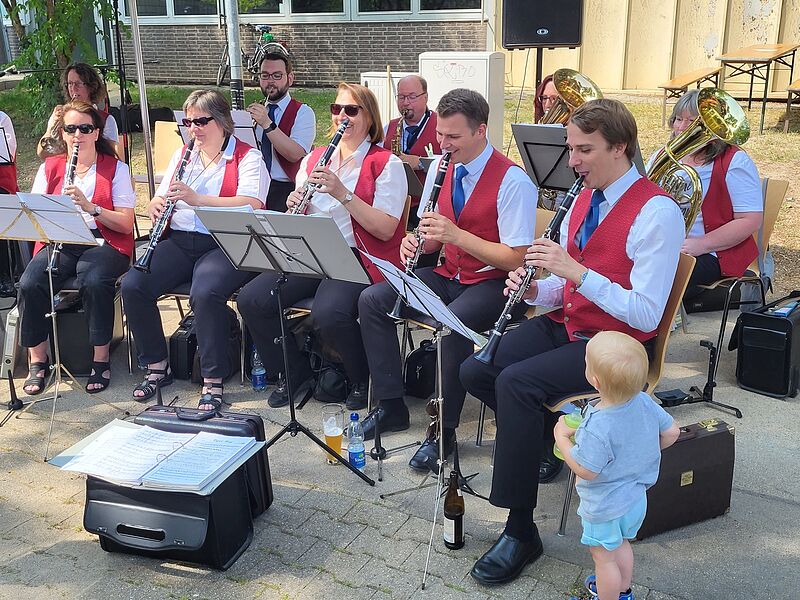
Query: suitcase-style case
point(191, 420)
point(695, 479)
point(182, 348)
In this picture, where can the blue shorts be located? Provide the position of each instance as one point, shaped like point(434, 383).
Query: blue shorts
point(609, 534)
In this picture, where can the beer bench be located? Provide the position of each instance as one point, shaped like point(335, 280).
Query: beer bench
point(792, 90)
point(677, 86)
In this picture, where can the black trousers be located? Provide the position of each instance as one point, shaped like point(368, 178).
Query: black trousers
point(96, 268)
point(477, 305)
point(335, 313)
point(534, 363)
point(706, 270)
point(180, 258)
point(278, 192)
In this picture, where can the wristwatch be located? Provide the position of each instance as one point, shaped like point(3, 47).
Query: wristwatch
point(271, 127)
point(347, 198)
point(97, 210)
point(583, 278)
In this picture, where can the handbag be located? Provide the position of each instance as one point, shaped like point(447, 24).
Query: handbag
point(419, 375)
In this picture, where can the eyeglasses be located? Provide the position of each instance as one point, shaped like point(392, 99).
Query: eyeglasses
point(75, 84)
point(409, 97)
point(272, 76)
point(351, 110)
point(198, 122)
point(83, 128)
point(544, 99)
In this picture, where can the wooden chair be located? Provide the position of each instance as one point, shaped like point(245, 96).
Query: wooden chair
point(792, 93)
point(684, 271)
point(677, 86)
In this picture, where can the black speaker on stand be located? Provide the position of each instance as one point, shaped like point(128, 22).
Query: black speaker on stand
point(542, 24)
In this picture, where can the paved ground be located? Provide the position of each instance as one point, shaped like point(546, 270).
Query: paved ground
point(328, 535)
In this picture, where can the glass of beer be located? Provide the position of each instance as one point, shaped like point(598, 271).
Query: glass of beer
point(333, 427)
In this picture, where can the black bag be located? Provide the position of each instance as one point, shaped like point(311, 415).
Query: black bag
point(234, 349)
point(331, 380)
point(420, 371)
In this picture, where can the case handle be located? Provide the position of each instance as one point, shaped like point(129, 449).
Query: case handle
point(156, 535)
point(187, 415)
point(687, 433)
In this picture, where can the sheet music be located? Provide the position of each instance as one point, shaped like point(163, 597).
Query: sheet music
point(44, 218)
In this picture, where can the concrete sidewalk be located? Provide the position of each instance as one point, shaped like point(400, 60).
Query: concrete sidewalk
point(329, 535)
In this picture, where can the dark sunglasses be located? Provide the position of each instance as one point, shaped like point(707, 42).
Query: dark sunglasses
point(198, 122)
point(351, 110)
point(83, 128)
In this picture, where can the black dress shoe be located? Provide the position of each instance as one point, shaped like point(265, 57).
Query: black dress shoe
point(280, 395)
point(357, 398)
point(426, 458)
point(389, 421)
point(549, 468)
point(505, 560)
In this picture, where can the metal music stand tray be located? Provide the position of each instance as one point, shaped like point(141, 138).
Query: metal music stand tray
point(305, 246)
point(50, 219)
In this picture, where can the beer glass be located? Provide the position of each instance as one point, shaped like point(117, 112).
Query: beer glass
point(333, 427)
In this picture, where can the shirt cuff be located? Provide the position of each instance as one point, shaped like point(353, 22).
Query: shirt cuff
point(591, 286)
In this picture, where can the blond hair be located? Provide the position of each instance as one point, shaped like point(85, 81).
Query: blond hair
point(618, 363)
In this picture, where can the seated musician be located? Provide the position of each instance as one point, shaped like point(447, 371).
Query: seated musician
point(613, 271)
point(485, 218)
point(8, 170)
point(79, 81)
point(222, 171)
point(364, 190)
point(722, 235)
point(103, 193)
point(546, 97)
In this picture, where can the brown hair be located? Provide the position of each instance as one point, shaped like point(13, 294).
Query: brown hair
point(103, 145)
point(688, 104)
point(369, 104)
point(466, 102)
point(88, 76)
point(538, 108)
point(619, 363)
point(611, 118)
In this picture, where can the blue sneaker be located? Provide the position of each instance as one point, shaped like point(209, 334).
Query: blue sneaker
point(591, 586)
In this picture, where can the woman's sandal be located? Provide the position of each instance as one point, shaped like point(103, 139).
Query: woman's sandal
point(34, 379)
point(211, 398)
point(148, 386)
point(98, 368)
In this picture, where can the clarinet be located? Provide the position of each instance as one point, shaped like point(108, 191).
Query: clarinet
point(69, 179)
point(486, 354)
point(309, 189)
point(160, 226)
point(411, 264)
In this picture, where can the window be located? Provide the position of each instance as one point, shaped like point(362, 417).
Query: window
point(195, 7)
point(448, 4)
point(384, 5)
point(149, 8)
point(264, 7)
point(317, 6)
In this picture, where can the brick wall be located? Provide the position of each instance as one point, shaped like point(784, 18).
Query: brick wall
point(325, 53)
point(13, 42)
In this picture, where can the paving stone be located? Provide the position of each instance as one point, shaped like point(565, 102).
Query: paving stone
point(372, 543)
point(387, 519)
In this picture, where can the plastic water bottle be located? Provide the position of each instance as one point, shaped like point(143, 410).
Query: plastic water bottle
point(258, 374)
point(355, 443)
point(572, 420)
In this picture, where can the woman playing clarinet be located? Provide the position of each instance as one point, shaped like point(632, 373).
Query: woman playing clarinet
point(220, 171)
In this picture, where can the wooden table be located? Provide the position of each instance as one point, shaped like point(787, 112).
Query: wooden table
point(756, 62)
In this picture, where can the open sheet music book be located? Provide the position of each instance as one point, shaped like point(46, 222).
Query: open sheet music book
point(143, 456)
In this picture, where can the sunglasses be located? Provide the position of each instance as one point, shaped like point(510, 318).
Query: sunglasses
point(198, 122)
point(351, 110)
point(83, 128)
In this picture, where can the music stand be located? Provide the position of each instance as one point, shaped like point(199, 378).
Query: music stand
point(5, 151)
point(243, 127)
point(307, 246)
point(420, 297)
point(50, 219)
point(414, 184)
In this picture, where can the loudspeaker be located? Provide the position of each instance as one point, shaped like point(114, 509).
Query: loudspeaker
point(542, 23)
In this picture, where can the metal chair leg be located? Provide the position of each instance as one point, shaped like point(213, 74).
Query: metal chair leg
point(481, 423)
point(562, 524)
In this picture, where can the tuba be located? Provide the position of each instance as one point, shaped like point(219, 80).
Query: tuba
point(719, 117)
point(573, 90)
point(52, 142)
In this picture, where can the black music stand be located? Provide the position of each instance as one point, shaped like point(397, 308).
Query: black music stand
point(5, 150)
point(286, 244)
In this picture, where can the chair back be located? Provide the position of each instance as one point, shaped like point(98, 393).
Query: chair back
point(543, 218)
point(406, 213)
point(774, 193)
point(166, 140)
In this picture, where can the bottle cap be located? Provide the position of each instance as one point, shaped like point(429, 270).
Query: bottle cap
point(354, 416)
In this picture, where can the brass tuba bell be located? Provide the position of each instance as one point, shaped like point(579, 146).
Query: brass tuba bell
point(719, 117)
point(573, 90)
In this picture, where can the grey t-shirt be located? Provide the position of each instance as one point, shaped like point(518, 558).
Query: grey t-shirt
point(621, 444)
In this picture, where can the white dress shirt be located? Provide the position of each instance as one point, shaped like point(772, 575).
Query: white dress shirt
point(391, 188)
point(11, 138)
point(516, 198)
point(653, 245)
point(122, 194)
point(303, 132)
point(110, 129)
point(253, 182)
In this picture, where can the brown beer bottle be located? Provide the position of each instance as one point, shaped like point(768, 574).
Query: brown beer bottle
point(453, 514)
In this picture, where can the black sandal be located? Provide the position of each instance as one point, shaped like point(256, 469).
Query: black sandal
point(148, 386)
point(211, 398)
point(98, 368)
point(33, 379)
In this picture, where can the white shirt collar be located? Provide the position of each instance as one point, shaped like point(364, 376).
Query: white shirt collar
point(282, 103)
point(477, 164)
point(227, 152)
point(614, 191)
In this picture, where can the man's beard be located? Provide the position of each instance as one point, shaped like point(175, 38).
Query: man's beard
point(275, 94)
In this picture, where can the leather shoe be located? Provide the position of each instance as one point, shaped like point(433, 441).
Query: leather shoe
point(389, 421)
point(505, 560)
point(280, 395)
point(357, 398)
point(549, 468)
point(426, 458)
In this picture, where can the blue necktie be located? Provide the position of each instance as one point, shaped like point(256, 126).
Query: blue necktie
point(266, 145)
point(592, 217)
point(458, 191)
point(411, 136)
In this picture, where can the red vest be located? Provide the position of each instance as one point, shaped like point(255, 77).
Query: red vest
point(286, 124)
point(373, 166)
point(54, 167)
point(717, 210)
point(8, 178)
point(427, 136)
point(479, 217)
point(605, 254)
